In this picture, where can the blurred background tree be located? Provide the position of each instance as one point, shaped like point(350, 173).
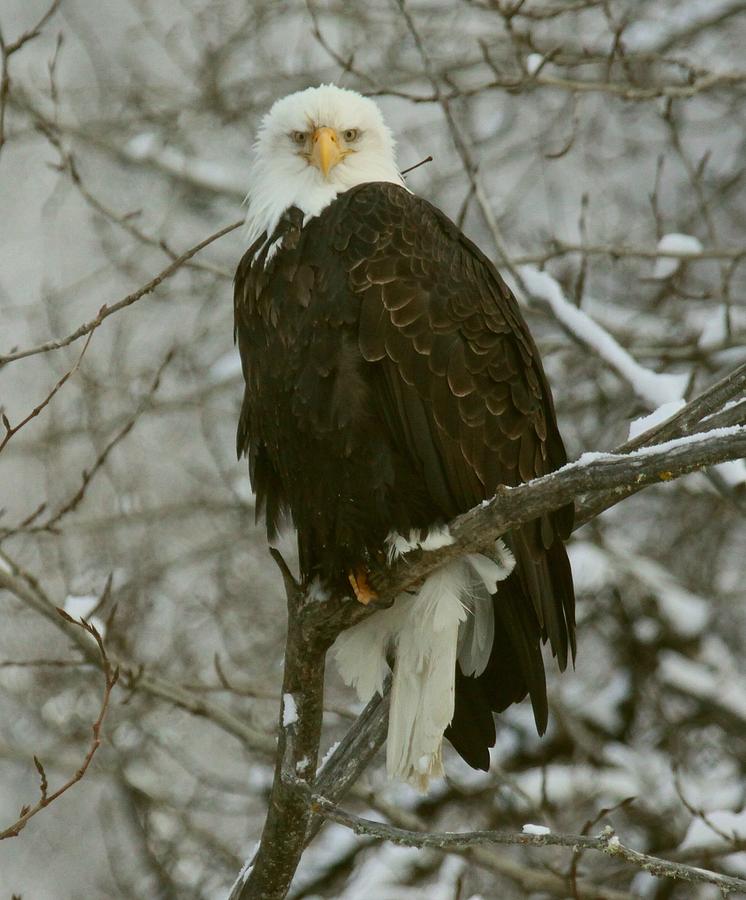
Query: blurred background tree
point(600, 141)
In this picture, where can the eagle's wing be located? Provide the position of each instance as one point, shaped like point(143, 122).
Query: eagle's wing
point(462, 392)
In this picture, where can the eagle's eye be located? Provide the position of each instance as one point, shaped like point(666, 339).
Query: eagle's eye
point(299, 137)
point(352, 134)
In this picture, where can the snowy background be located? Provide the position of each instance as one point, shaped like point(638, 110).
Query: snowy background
point(596, 151)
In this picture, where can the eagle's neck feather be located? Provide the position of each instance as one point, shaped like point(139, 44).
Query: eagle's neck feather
point(276, 185)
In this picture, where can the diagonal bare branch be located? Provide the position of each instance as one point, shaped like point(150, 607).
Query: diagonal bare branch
point(109, 310)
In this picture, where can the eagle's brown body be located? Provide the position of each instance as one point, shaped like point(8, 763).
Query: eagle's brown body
point(391, 384)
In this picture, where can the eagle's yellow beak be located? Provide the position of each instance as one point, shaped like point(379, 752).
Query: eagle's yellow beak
point(326, 152)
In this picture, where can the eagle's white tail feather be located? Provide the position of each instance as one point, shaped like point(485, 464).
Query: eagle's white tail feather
point(360, 652)
point(422, 694)
point(489, 571)
point(449, 616)
point(476, 635)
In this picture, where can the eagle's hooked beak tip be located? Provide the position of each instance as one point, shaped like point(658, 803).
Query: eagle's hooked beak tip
point(326, 152)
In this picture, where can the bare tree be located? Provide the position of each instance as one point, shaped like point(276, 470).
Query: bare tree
point(594, 149)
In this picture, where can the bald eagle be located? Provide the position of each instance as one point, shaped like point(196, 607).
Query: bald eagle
point(391, 384)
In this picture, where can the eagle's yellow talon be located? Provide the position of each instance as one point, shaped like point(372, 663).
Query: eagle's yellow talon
point(361, 586)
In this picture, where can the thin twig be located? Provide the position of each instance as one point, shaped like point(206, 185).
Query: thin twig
point(51, 524)
point(422, 162)
point(134, 677)
point(107, 310)
point(7, 50)
point(10, 430)
point(111, 675)
point(619, 251)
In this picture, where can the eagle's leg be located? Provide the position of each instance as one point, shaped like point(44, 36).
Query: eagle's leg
point(362, 587)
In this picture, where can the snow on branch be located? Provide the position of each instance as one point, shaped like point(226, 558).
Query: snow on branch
point(695, 679)
point(674, 253)
point(679, 247)
point(714, 408)
point(653, 388)
point(593, 472)
point(607, 842)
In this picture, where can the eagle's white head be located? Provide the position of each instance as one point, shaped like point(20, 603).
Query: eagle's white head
point(311, 146)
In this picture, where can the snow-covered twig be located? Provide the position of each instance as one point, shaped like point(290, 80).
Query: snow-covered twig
point(598, 472)
point(711, 409)
point(607, 842)
point(653, 388)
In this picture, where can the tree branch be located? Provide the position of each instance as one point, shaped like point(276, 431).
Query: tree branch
point(284, 835)
point(10, 430)
point(111, 675)
point(477, 529)
point(23, 586)
point(7, 50)
point(106, 310)
point(607, 842)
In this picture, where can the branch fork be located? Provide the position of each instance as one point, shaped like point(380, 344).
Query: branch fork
point(685, 443)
